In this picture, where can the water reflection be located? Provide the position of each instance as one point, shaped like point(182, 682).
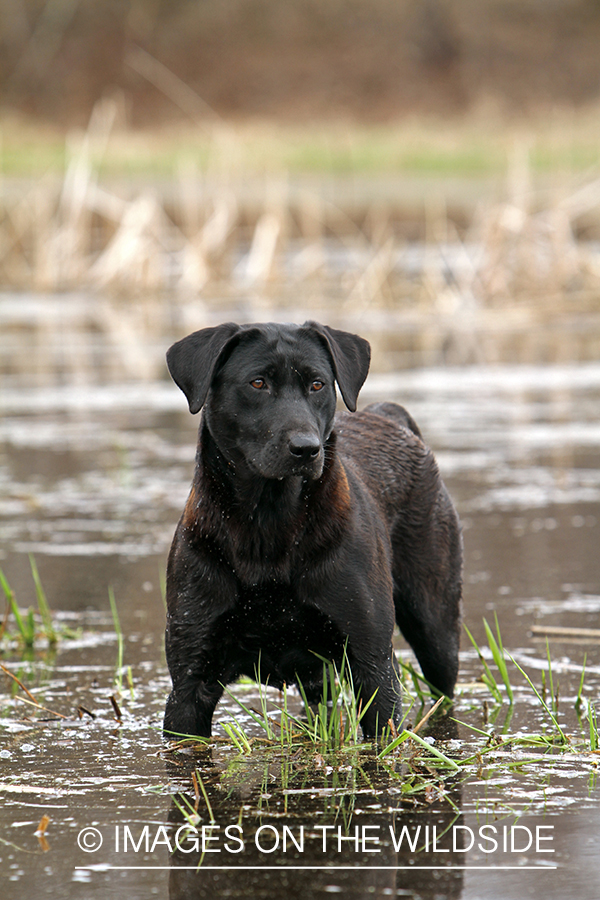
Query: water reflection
point(288, 827)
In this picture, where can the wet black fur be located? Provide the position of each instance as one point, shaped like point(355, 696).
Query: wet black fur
point(304, 531)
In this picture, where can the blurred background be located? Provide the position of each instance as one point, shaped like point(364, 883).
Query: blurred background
point(378, 60)
point(427, 169)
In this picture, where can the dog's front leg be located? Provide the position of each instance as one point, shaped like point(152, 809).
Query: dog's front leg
point(196, 675)
point(190, 709)
point(199, 597)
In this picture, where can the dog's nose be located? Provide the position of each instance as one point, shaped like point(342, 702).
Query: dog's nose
point(304, 446)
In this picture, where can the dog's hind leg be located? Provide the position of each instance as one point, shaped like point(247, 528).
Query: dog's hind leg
point(433, 634)
point(427, 593)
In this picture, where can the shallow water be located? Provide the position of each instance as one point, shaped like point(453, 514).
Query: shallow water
point(93, 473)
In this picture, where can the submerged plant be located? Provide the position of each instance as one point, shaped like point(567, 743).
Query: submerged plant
point(318, 752)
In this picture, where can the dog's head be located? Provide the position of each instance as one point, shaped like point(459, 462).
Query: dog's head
point(269, 390)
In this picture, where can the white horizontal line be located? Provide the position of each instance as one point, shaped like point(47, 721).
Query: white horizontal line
point(326, 868)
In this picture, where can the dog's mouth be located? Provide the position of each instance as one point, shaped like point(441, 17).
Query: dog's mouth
point(280, 466)
point(311, 470)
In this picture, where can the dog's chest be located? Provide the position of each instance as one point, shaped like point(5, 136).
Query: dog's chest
point(268, 610)
point(272, 619)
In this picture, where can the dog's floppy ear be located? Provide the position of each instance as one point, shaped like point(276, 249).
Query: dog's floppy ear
point(193, 359)
point(350, 355)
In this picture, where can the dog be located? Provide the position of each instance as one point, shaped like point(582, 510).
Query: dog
point(306, 534)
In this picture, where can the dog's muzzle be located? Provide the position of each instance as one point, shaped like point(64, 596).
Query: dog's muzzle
point(305, 454)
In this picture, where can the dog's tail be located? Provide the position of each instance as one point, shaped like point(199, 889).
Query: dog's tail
point(397, 414)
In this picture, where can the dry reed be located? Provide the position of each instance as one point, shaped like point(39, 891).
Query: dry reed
point(79, 235)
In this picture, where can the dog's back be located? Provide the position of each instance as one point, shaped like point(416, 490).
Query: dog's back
point(384, 445)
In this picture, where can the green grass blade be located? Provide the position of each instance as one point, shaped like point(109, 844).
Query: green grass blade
point(545, 706)
point(550, 678)
point(488, 678)
point(579, 699)
point(308, 710)
point(259, 719)
point(403, 736)
point(205, 795)
point(117, 624)
point(24, 627)
point(42, 602)
point(417, 681)
point(188, 812)
point(499, 656)
point(593, 727)
point(237, 736)
point(410, 735)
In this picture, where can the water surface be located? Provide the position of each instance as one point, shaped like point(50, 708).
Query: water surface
point(94, 469)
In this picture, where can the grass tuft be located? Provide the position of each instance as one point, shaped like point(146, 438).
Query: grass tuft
point(498, 655)
point(28, 628)
point(330, 725)
point(44, 608)
point(25, 626)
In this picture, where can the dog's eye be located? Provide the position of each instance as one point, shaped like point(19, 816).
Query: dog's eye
point(259, 383)
point(317, 385)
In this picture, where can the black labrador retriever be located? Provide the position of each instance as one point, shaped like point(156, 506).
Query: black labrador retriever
point(304, 532)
